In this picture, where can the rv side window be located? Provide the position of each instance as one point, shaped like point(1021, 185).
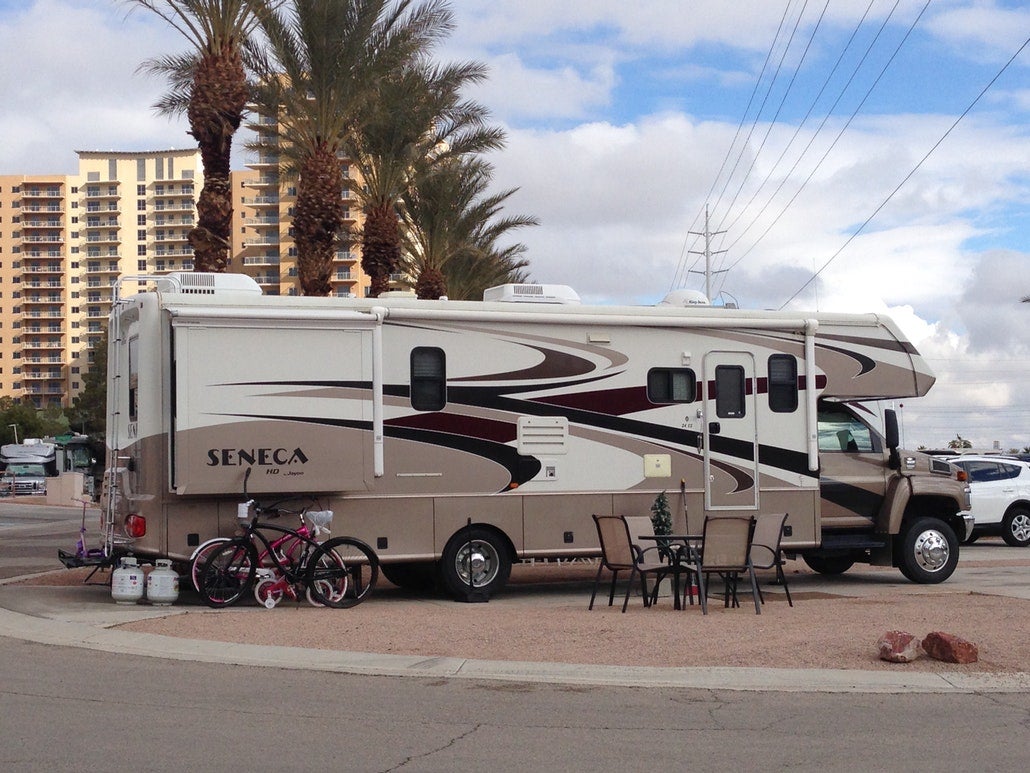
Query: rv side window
point(133, 377)
point(729, 391)
point(428, 378)
point(671, 385)
point(783, 383)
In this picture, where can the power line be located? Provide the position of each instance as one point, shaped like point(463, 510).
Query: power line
point(910, 174)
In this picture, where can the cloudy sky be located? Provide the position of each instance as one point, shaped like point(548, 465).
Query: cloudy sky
point(854, 155)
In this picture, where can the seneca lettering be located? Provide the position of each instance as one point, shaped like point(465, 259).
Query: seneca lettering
point(256, 457)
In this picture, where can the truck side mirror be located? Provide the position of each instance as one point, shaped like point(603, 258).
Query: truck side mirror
point(890, 432)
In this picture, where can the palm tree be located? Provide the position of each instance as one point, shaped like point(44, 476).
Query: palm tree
point(451, 230)
point(321, 59)
point(416, 121)
point(209, 84)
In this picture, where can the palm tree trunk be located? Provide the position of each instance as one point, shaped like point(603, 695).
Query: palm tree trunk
point(380, 246)
point(215, 111)
point(318, 220)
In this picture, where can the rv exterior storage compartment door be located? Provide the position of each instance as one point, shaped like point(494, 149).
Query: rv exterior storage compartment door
point(290, 399)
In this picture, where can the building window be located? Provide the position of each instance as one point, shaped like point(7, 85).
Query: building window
point(671, 385)
point(428, 378)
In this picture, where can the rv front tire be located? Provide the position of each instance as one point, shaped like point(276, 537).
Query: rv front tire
point(413, 576)
point(829, 564)
point(928, 550)
point(478, 551)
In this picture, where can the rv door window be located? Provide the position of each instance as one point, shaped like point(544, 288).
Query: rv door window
point(428, 378)
point(729, 391)
point(671, 385)
point(783, 383)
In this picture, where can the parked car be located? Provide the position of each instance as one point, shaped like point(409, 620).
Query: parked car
point(1000, 497)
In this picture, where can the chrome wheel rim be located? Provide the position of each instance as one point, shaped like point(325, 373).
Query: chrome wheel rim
point(932, 551)
point(478, 559)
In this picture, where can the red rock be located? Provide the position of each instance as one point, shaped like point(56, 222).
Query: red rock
point(949, 648)
point(898, 647)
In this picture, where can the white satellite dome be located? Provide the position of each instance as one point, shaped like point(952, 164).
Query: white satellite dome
point(685, 298)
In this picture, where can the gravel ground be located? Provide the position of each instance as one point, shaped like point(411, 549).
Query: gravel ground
point(543, 616)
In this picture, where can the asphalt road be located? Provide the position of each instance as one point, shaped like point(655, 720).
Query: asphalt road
point(66, 709)
point(31, 534)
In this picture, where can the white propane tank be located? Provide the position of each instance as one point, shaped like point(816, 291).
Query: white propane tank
point(127, 582)
point(162, 583)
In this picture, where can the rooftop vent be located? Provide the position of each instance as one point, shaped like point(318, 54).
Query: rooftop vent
point(518, 293)
point(194, 283)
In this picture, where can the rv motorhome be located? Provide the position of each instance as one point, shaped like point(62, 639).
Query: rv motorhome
point(459, 437)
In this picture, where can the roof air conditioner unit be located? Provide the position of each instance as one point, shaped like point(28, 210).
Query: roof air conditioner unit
point(525, 293)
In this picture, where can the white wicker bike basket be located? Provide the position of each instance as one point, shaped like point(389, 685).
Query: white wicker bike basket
point(245, 511)
point(318, 522)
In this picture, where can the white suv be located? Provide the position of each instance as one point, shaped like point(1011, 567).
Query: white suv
point(1000, 498)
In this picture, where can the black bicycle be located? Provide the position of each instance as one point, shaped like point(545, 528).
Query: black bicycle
point(340, 572)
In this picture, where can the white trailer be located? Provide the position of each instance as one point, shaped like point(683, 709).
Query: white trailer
point(440, 431)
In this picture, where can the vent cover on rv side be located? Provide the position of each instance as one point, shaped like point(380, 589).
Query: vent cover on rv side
point(194, 283)
point(520, 293)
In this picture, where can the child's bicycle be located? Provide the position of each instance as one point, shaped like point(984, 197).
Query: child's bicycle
point(268, 588)
point(339, 573)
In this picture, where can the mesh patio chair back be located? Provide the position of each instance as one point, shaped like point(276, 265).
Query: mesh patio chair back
point(727, 543)
point(618, 554)
point(725, 551)
point(765, 548)
point(616, 547)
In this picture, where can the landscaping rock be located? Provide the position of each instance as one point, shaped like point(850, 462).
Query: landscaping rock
point(898, 647)
point(949, 648)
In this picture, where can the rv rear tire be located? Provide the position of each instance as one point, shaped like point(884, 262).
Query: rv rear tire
point(481, 550)
point(928, 550)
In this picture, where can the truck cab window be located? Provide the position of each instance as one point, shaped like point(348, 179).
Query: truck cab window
point(839, 430)
point(428, 378)
point(671, 385)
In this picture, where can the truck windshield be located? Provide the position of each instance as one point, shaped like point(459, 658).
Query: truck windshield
point(26, 470)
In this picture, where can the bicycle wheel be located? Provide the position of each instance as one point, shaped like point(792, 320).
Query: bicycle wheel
point(228, 573)
point(327, 570)
point(344, 581)
point(200, 557)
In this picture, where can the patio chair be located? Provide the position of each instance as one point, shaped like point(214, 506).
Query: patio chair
point(765, 549)
point(618, 554)
point(653, 551)
point(725, 551)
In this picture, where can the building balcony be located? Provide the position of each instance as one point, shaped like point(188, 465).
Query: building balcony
point(270, 220)
point(261, 260)
point(37, 192)
point(102, 192)
point(110, 207)
point(174, 206)
point(266, 279)
point(262, 201)
point(175, 252)
point(43, 239)
point(47, 268)
point(111, 238)
point(36, 223)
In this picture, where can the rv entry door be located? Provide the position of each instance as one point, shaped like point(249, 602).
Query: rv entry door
point(730, 432)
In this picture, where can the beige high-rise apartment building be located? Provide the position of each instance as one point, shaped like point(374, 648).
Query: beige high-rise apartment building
point(65, 240)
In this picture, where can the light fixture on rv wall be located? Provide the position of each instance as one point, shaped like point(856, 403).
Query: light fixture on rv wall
point(685, 298)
